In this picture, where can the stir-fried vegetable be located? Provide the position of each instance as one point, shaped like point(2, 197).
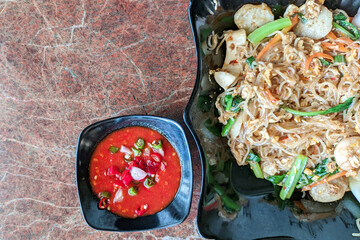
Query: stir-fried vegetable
point(276, 179)
point(338, 108)
point(251, 62)
point(253, 161)
point(277, 38)
point(227, 126)
point(324, 62)
point(339, 16)
point(325, 180)
point(228, 101)
point(339, 59)
point(317, 55)
point(293, 177)
point(262, 32)
point(344, 31)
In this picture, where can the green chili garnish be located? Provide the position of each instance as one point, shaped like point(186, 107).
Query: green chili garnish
point(127, 158)
point(157, 144)
point(253, 161)
point(113, 149)
point(149, 182)
point(293, 177)
point(140, 143)
point(104, 195)
point(339, 59)
point(136, 151)
point(338, 108)
point(262, 32)
point(227, 126)
point(133, 190)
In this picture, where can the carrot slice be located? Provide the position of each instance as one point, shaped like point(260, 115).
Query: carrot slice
point(338, 47)
point(325, 180)
point(277, 38)
point(331, 35)
point(271, 96)
point(317, 55)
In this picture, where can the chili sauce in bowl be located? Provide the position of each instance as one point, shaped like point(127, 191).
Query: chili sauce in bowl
point(134, 171)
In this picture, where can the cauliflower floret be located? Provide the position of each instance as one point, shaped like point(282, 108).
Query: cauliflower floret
point(250, 16)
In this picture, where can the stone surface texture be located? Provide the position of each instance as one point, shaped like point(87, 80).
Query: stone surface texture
point(65, 65)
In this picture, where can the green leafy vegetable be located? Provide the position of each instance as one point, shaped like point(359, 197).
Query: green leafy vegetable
point(304, 180)
point(344, 31)
point(350, 28)
point(293, 177)
point(339, 16)
point(276, 179)
point(262, 32)
point(338, 108)
point(324, 62)
point(228, 101)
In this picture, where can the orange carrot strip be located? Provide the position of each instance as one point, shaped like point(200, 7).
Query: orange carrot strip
point(325, 180)
point(338, 47)
point(318, 54)
point(331, 35)
point(277, 38)
point(271, 96)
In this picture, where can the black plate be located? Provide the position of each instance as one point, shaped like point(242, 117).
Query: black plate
point(173, 214)
point(258, 219)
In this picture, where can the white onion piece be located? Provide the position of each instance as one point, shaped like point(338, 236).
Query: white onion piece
point(137, 173)
point(125, 150)
point(118, 196)
point(356, 19)
point(160, 151)
point(146, 152)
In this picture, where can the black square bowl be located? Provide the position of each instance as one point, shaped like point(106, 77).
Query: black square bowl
point(173, 214)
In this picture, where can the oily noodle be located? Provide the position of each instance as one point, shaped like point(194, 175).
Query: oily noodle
point(280, 78)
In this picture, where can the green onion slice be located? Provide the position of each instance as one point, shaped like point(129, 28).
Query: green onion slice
point(339, 59)
point(262, 32)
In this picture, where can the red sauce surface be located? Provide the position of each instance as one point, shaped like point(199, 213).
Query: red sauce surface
point(167, 176)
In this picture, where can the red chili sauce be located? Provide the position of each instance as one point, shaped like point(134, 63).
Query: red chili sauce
point(135, 172)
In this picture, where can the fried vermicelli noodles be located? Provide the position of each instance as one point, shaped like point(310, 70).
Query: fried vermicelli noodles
point(280, 78)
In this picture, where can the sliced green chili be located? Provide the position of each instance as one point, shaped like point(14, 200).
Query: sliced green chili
point(140, 143)
point(293, 177)
point(157, 144)
point(149, 182)
point(133, 190)
point(338, 108)
point(104, 195)
point(113, 149)
point(262, 32)
point(136, 151)
point(227, 126)
point(128, 158)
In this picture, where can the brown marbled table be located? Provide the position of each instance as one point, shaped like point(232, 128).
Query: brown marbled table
point(65, 65)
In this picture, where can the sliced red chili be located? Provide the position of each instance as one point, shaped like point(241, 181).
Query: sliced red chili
point(113, 170)
point(104, 203)
point(141, 210)
point(152, 166)
point(132, 164)
point(156, 156)
point(137, 159)
point(119, 183)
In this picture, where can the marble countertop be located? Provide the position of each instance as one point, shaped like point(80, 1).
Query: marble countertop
point(65, 65)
